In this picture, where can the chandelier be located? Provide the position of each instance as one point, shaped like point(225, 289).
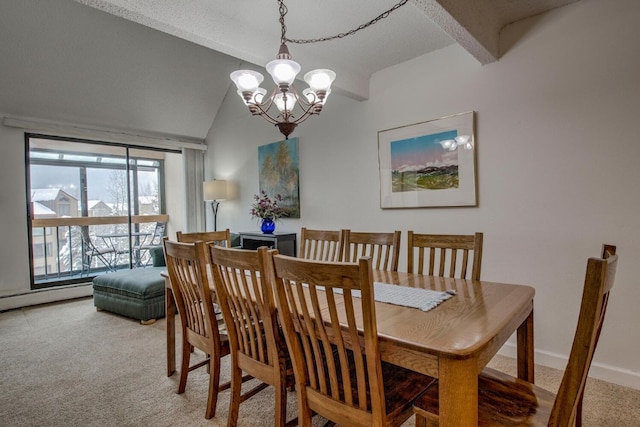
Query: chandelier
point(284, 70)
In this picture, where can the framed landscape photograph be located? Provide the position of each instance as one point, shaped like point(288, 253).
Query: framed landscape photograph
point(429, 164)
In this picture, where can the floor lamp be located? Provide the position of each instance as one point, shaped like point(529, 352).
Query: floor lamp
point(213, 192)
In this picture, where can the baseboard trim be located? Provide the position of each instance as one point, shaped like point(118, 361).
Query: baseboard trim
point(601, 371)
point(44, 296)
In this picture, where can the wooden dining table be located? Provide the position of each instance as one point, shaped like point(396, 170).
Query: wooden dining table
point(452, 342)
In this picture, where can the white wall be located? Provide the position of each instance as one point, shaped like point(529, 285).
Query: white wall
point(557, 151)
point(68, 62)
point(63, 61)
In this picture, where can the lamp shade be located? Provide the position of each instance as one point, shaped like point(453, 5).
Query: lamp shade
point(214, 190)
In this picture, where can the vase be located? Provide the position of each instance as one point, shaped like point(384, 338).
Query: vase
point(268, 226)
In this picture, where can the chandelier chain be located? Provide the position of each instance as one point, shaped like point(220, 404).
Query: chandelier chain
point(284, 39)
point(283, 27)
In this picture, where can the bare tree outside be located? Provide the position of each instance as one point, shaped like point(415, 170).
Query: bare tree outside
point(117, 190)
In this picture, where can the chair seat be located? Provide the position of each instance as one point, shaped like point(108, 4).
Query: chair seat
point(401, 387)
point(503, 400)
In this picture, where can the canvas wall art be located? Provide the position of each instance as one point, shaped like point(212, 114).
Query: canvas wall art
point(279, 173)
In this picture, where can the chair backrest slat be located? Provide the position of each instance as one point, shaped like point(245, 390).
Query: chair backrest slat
point(448, 254)
point(321, 245)
point(382, 248)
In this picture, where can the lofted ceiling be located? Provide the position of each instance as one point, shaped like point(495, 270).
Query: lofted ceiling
point(249, 30)
point(162, 66)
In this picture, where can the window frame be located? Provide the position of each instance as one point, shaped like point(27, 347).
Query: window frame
point(129, 165)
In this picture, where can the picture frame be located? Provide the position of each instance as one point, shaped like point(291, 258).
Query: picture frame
point(429, 164)
point(279, 173)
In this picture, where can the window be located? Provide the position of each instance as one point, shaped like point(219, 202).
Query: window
point(81, 195)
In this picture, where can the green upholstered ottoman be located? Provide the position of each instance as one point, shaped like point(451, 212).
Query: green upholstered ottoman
point(137, 293)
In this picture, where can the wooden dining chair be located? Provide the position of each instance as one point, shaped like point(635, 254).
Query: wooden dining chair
point(446, 255)
point(321, 245)
point(504, 400)
point(248, 307)
point(333, 341)
point(187, 269)
point(382, 248)
point(220, 238)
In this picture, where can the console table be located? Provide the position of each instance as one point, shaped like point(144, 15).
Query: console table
point(285, 243)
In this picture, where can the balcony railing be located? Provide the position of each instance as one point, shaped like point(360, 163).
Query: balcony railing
point(74, 249)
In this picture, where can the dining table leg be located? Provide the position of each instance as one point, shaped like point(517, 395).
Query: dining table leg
point(525, 349)
point(170, 312)
point(458, 392)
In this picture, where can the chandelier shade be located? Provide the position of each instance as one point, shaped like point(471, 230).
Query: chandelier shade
point(247, 80)
point(319, 80)
point(283, 71)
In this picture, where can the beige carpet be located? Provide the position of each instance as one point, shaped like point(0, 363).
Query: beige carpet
point(65, 364)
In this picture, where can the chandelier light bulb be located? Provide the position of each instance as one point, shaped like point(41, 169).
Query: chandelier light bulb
point(320, 80)
point(283, 71)
point(280, 103)
point(246, 80)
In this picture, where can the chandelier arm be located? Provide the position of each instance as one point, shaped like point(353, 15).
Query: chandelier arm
point(302, 100)
point(262, 109)
point(307, 112)
point(266, 105)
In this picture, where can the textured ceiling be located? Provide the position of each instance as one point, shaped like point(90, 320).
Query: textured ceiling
point(249, 29)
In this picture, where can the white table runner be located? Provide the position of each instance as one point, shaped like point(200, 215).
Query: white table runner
point(423, 299)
